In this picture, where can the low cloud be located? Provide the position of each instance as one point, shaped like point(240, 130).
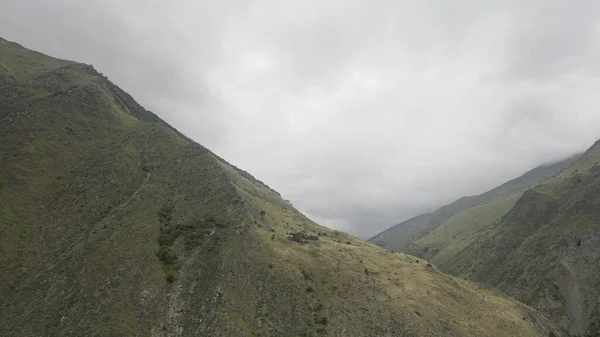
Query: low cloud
point(361, 113)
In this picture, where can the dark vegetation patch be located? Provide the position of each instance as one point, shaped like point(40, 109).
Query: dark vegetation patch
point(302, 237)
point(192, 235)
point(322, 320)
point(166, 239)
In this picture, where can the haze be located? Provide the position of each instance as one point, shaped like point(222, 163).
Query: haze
point(362, 113)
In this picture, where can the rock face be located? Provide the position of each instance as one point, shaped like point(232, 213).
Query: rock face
point(112, 223)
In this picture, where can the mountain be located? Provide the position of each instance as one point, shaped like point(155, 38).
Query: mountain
point(535, 238)
point(546, 250)
point(112, 223)
point(438, 229)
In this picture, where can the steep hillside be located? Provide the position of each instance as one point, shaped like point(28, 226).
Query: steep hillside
point(114, 224)
point(545, 250)
point(431, 234)
point(455, 234)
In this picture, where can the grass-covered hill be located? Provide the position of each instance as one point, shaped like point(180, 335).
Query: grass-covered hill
point(536, 238)
point(546, 250)
point(438, 232)
point(114, 224)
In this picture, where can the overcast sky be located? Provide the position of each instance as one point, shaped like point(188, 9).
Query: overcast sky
point(362, 113)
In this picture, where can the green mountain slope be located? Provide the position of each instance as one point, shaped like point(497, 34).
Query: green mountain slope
point(431, 234)
point(455, 234)
point(114, 224)
point(545, 250)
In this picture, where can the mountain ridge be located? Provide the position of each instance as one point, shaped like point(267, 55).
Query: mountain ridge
point(539, 246)
point(411, 230)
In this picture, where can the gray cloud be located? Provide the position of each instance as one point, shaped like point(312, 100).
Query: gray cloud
point(362, 113)
point(550, 39)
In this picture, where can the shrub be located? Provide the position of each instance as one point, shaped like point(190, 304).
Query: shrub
point(171, 277)
point(309, 289)
point(167, 236)
point(193, 240)
point(165, 214)
point(322, 320)
point(166, 255)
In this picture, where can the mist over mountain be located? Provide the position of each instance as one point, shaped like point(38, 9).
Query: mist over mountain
point(362, 114)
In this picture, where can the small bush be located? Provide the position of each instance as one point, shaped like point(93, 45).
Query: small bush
point(322, 320)
point(263, 213)
point(171, 277)
point(270, 266)
point(166, 256)
point(193, 240)
point(165, 214)
point(309, 289)
point(168, 236)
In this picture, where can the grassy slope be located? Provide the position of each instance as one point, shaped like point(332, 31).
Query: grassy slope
point(402, 235)
point(455, 234)
point(114, 224)
point(545, 250)
point(435, 231)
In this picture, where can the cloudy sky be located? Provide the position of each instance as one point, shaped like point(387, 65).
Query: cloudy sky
point(362, 113)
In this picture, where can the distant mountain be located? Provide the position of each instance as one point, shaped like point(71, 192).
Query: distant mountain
point(537, 238)
point(486, 207)
point(112, 223)
point(546, 250)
